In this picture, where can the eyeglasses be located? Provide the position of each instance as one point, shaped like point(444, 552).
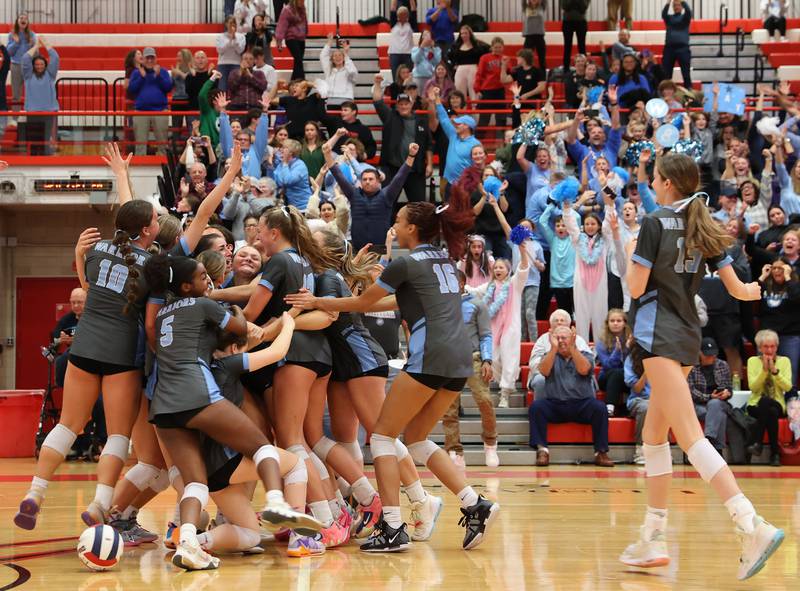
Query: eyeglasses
point(251, 225)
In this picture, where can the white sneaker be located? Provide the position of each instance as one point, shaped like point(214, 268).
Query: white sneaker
point(423, 517)
point(280, 514)
point(757, 547)
point(610, 408)
point(647, 553)
point(638, 456)
point(490, 451)
point(193, 557)
point(458, 460)
point(503, 403)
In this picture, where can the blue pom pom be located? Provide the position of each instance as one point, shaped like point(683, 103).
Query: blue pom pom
point(520, 234)
point(492, 185)
point(593, 94)
point(566, 190)
point(622, 174)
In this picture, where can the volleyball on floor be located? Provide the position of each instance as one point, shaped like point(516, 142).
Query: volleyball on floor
point(100, 547)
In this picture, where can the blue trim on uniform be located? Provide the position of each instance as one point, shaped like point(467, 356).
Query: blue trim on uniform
point(155, 300)
point(152, 381)
point(267, 284)
point(246, 362)
point(725, 262)
point(225, 319)
point(360, 348)
point(645, 322)
point(185, 246)
point(214, 394)
point(228, 282)
point(641, 260)
point(385, 286)
point(384, 262)
point(486, 347)
point(416, 347)
point(468, 308)
point(646, 297)
point(229, 453)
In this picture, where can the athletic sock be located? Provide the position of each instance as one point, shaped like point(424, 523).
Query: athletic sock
point(392, 516)
point(103, 495)
point(742, 512)
point(468, 497)
point(322, 512)
point(336, 509)
point(206, 539)
point(275, 497)
point(415, 492)
point(188, 533)
point(129, 513)
point(344, 486)
point(363, 491)
point(654, 520)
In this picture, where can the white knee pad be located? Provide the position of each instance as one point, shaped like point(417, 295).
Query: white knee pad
point(161, 483)
point(246, 537)
point(265, 452)
point(142, 475)
point(196, 490)
point(705, 459)
point(60, 439)
point(657, 459)
point(117, 445)
point(173, 473)
point(421, 451)
point(381, 445)
point(402, 450)
point(297, 475)
point(354, 449)
point(299, 451)
point(323, 447)
point(322, 469)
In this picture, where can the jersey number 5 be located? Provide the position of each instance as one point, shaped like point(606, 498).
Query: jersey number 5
point(166, 331)
point(446, 274)
point(684, 265)
point(113, 278)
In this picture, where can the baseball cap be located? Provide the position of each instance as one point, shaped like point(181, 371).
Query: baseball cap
point(708, 346)
point(149, 52)
point(403, 97)
point(465, 120)
point(728, 190)
point(411, 84)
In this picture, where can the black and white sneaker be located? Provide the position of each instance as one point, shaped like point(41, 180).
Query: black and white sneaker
point(477, 520)
point(385, 538)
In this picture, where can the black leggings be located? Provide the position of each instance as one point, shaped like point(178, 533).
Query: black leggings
point(612, 382)
point(775, 23)
point(579, 29)
point(766, 413)
point(564, 298)
point(536, 42)
point(297, 48)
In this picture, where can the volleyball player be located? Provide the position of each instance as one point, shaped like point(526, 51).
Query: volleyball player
point(114, 305)
point(426, 290)
point(667, 262)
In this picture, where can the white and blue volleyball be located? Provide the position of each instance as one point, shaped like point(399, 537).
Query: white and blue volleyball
point(100, 547)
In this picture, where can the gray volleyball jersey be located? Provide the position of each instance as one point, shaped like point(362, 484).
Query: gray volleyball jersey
point(427, 291)
point(105, 333)
point(186, 336)
point(665, 321)
point(286, 272)
point(226, 372)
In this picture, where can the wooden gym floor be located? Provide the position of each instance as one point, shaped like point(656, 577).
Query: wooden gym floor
point(560, 528)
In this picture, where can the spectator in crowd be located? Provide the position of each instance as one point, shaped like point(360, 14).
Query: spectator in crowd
point(253, 151)
point(774, 14)
point(199, 73)
point(311, 152)
point(533, 12)
point(598, 145)
point(492, 69)
point(260, 36)
point(339, 72)
point(441, 79)
point(40, 94)
point(612, 349)
point(573, 22)
point(536, 382)
point(230, 46)
point(651, 67)
point(569, 397)
point(401, 40)
point(530, 294)
point(638, 401)
point(292, 30)
point(459, 133)
point(780, 297)
point(530, 81)
point(133, 59)
point(477, 263)
point(464, 56)
point(333, 211)
point(622, 46)
point(195, 183)
point(207, 104)
point(631, 84)
point(400, 77)
point(300, 104)
point(425, 58)
point(443, 21)
point(711, 387)
point(260, 65)
point(677, 17)
point(20, 41)
point(236, 207)
point(789, 184)
point(180, 98)
point(769, 377)
point(355, 129)
point(562, 254)
point(246, 85)
point(64, 331)
point(277, 6)
point(265, 195)
point(479, 329)
point(370, 204)
point(245, 11)
point(199, 149)
point(291, 176)
point(402, 128)
point(618, 11)
point(486, 192)
point(394, 12)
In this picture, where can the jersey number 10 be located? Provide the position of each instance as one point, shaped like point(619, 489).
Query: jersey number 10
point(446, 274)
point(684, 265)
point(113, 278)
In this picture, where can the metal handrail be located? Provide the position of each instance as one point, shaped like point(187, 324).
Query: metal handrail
point(758, 72)
point(739, 48)
point(723, 22)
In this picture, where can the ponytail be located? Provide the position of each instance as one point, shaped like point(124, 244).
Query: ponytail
point(165, 274)
point(122, 240)
point(293, 228)
point(131, 218)
point(340, 250)
point(703, 232)
point(448, 222)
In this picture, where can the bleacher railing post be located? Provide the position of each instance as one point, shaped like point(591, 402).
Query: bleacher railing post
point(723, 22)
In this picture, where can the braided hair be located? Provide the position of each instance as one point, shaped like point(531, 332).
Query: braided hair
point(131, 218)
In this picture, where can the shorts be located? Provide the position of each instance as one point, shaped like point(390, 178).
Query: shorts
point(221, 479)
point(100, 368)
point(726, 330)
point(319, 368)
point(439, 382)
point(175, 420)
point(639, 354)
point(258, 382)
point(339, 375)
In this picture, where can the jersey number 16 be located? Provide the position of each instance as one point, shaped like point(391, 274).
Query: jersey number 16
point(446, 274)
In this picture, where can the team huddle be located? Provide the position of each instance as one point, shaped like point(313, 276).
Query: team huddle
point(222, 388)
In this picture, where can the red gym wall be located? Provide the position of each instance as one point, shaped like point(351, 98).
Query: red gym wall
point(41, 301)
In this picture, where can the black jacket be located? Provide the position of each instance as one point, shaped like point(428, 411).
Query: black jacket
point(359, 131)
point(393, 132)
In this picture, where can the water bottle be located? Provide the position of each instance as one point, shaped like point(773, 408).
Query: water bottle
point(736, 382)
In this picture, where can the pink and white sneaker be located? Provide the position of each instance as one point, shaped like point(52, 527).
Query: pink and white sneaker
point(368, 517)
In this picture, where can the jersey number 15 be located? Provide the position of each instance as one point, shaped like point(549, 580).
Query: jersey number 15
point(687, 265)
